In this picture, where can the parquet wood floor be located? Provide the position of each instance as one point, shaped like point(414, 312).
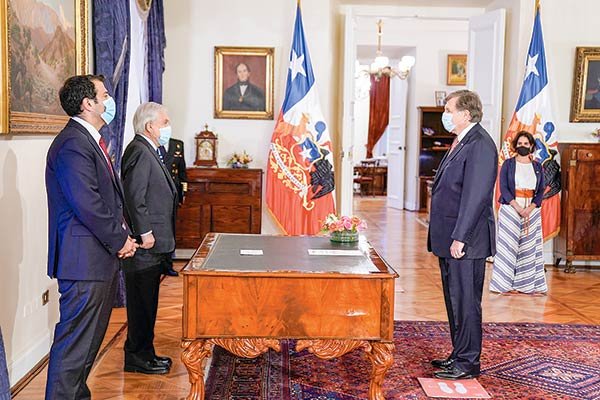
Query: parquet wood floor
point(401, 240)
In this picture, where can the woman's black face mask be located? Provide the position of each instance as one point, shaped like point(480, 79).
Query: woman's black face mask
point(523, 151)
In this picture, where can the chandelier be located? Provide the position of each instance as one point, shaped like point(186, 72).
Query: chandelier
point(381, 64)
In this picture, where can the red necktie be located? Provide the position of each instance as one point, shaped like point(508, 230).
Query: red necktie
point(105, 150)
point(454, 143)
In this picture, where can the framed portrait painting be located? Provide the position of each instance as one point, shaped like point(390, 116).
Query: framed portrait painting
point(43, 43)
point(244, 82)
point(585, 99)
point(457, 70)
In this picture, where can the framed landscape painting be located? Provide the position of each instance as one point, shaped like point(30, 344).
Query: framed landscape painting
point(43, 42)
point(244, 82)
point(585, 99)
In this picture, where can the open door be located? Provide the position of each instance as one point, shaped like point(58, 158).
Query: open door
point(396, 143)
point(485, 72)
point(347, 137)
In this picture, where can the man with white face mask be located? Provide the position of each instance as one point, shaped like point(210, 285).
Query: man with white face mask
point(151, 199)
point(87, 234)
point(462, 229)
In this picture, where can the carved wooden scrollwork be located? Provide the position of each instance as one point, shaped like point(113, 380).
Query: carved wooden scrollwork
point(194, 354)
point(382, 358)
point(327, 349)
point(250, 347)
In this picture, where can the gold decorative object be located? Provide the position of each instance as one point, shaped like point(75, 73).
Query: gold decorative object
point(206, 148)
point(585, 99)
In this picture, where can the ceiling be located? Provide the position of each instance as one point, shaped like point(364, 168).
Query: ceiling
point(420, 3)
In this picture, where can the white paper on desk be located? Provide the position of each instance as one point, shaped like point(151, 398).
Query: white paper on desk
point(321, 252)
point(250, 252)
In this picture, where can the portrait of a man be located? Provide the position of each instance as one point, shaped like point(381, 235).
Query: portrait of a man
point(244, 82)
point(592, 87)
point(243, 95)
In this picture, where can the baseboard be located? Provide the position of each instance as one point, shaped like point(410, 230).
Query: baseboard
point(24, 381)
point(28, 364)
point(411, 206)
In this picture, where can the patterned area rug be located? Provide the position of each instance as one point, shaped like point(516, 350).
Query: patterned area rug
point(519, 361)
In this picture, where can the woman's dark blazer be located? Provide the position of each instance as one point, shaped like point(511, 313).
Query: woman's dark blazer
point(507, 182)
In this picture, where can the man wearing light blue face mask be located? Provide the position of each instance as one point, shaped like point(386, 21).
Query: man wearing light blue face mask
point(151, 199)
point(462, 229)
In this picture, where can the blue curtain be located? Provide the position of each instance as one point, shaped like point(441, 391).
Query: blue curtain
point(156, 50)
point(112, 44)
point(4, 384)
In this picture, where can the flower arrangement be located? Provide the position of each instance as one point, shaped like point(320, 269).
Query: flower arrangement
point(596, 133)
point(344, 228)
point(240, 160)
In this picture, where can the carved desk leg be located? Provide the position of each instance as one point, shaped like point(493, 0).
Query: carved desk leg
point(382, 358)
point(193, 358)
point(197, 351)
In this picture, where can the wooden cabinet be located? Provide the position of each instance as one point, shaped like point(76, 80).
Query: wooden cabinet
point(434, 141)
point(379, 174)
point(219, 200)
point(579, 237)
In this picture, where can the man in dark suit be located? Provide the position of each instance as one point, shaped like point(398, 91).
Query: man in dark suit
point(242, 95)
point(173, 157)
point(87, 234)
point(151, 198)
point(462, 229)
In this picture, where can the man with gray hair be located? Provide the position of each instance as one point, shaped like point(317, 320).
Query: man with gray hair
point(462, 229)
point(151, 199)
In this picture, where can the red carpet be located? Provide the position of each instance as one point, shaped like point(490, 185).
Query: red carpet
point(519, 361)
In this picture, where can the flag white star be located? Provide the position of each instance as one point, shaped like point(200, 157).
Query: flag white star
point(306, 153)
point(296, 65)
point(531, 68)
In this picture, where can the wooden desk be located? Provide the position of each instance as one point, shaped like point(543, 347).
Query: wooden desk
point(333, 304)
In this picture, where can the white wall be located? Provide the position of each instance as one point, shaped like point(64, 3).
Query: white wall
point(193, 29)
point(26, 324)
point(433, 37)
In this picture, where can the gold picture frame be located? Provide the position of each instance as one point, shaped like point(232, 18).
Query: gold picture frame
point(235, 66)
point(456, 74)
point(585, 98)
point(14, 120)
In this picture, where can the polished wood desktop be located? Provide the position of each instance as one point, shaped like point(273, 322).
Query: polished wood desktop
point(331, 303)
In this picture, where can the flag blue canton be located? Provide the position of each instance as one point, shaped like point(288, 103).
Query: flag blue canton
point(300, 76)
point(536, 76)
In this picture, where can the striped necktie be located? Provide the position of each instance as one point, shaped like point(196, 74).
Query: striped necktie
point(161, 153)
point(105, 151)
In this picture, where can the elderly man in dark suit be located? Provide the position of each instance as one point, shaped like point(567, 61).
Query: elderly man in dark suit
point(243, 95)
point(462, 229)
point(151, 198)
point(87, 234)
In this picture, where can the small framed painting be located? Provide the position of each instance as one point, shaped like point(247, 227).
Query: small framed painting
point(457, 70)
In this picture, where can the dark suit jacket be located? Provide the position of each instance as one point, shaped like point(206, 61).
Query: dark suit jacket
point(462, 198)
point(150, 194)
point(85, 208)
point(253, 99)
point(507, 182)
point(175, 163)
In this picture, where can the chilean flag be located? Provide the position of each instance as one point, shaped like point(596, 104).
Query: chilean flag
point(300, 180)
point(534, 115)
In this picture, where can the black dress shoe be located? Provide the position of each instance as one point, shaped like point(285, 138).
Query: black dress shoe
point(151, 367)
point(171, 272)
point(444, 364)
point(166, 361)
point(454, 373)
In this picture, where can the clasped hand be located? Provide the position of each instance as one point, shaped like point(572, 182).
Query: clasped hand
point(128, 249)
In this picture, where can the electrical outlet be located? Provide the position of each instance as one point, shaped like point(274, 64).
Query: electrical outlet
point(45, 297)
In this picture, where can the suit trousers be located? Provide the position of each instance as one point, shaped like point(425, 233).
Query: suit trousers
point(142, 281)
point(85, 308)
point(462, 281)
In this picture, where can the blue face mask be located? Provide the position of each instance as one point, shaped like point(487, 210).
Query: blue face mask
point(110, 110)
point(447, 122)
point(165, 135)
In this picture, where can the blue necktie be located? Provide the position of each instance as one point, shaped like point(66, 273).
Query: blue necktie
point(161, 153)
